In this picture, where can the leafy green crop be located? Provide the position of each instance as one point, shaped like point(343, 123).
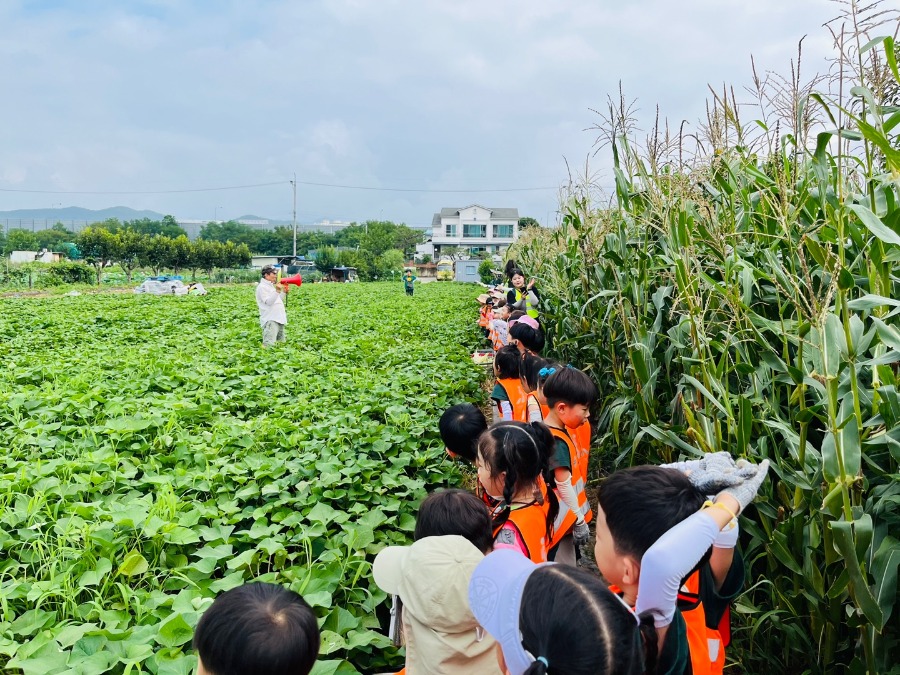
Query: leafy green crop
point(155, 456)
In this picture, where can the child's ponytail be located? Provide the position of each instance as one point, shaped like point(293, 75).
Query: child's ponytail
point(650, 640)
point(544, 438)
point(520, 450)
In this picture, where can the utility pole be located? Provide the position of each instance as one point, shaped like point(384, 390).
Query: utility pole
point(294, 219)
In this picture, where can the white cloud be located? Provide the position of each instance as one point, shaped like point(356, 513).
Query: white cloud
point(434, 93)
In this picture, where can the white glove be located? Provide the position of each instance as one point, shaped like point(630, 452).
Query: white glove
point(581, 532)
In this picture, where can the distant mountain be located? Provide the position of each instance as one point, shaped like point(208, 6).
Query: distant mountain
point(78, 213)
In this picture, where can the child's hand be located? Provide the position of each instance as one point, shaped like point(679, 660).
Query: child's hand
point(714, 472)
point(745, 493)
point(582, 533)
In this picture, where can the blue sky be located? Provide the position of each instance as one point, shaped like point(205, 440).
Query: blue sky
point(101, 96)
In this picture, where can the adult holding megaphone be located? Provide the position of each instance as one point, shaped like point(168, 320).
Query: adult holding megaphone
point(270, 294)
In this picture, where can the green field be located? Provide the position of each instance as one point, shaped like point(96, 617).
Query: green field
point(155, 455)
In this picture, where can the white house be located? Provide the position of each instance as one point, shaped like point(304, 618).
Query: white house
point(43, 256)
point(476, 228)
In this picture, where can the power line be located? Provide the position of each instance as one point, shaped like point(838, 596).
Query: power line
point(257, 185)
point(141, 192)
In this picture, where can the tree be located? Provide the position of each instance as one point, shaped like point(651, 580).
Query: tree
point(168, 226)
point(111, 225)
point(20, 240)
point(350, 236)
point(180, 252)
point(426, 258)
point(485, 271)
point(326, 258)
point(389, 261)
point(130, 250)
point(99, 247)
point(156, 253)
point(205, 255)
point(53, 238)
point(232, 231)
point(235, 255)
point(526, 221)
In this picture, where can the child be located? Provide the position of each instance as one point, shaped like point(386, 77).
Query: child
point(408, 280)
point(507, 393)
point(527, 335)
point(257, 628)
point(530, 369)
point(558, 619)
point(569, 394)
point(453, 534)
point(460, 426)
point(484, 312)
point(645, 560)
point(512, 458)
point(498, 332)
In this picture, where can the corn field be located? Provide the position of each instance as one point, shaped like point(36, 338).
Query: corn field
point(739, 292)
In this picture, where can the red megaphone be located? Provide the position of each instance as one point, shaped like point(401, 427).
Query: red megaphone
point(295, 280)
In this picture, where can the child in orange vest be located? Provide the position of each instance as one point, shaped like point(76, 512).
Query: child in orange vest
point(257, 628)
point(484, 312)
point(530, 372)
point(499, 332)
point(569, 394)
point(508, 394)
point(652, 533)
point(460, 426)
point(512, 458)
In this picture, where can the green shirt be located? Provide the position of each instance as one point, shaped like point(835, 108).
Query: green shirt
point(499, 393)
point(560, 459)
point(674, 657)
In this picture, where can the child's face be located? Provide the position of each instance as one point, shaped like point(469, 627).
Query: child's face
point(608, 560)
point(573, 416)
point(493, 485)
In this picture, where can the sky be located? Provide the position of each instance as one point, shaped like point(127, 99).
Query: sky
point(176, 96)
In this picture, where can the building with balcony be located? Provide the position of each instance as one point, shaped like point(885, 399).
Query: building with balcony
point(474, 229)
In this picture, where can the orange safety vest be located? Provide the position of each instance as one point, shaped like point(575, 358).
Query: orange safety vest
point(531, 524)
point(582, 439)
point(584, 505)
point(484, 317)
point(706, 645)
point(518, 399)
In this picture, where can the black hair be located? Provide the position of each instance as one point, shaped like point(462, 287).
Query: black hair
point(506, 362)
point(532, 339)
point(511, 268)
point(258, 629)
point(460, 427)
point(516, 315)
point(607, 638)
point(642, 503)
point(455, 512)
point(571, 386)
point(523, 452)
point(530, 369)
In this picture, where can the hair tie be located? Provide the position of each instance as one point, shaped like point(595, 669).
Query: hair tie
point(569, 365)
point(544, 372)
point(543, 660)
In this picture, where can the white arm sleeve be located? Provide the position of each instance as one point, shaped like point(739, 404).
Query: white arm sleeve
point(668, 561)
point(728, 537)
point(506, 410)
point(567, 494)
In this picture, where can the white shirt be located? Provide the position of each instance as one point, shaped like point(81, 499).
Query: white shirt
point(270, 303)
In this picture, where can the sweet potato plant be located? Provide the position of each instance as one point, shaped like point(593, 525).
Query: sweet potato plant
point(154, 455)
